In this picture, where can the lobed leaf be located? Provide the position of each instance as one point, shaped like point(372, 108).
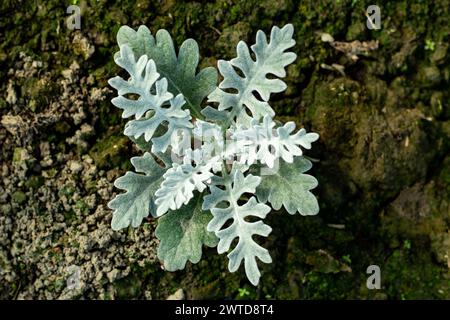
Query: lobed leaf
point(224, 206)
point(143, 76)
point(131, 207)
point(178, 186)
point(180, 71)
point(265, 143)
point(163, 90)
point(174, 119)
point(290, 187)
point(270, 58)
point(182, 234)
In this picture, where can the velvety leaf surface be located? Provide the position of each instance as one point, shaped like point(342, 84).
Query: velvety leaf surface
point(270, 58)
point(182, 234)
point(224, 206)
point(180, 71)
point(131, 207)
point(290, 188)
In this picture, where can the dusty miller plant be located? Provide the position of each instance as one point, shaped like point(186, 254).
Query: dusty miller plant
point(202, 170)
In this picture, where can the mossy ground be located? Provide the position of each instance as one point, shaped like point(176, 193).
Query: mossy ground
point(384, 165)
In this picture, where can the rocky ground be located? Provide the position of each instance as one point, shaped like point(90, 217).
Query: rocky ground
point(381, 108)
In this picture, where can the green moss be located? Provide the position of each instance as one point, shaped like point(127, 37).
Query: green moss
point(411, 276)
point(19, 197)
point(82, 206)
point(38, 92)
point(17, 155)
point(67, 190)
point(35, 182)
point(111, 152)
point(128, 288)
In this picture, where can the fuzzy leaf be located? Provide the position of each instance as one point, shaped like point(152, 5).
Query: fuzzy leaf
point(271, 58)
point(162, 92)
point(212, 139)
point(174, 118)
point(139, 41)
point(265, 143)
point(224, 206)
point(290, 188)
point(131, 207)
point(178, 186)
point(143, 76)
point(181, 181)
point(182, 233)
point(179, 71)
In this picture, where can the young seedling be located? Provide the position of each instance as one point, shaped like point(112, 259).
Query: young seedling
point(209, 174)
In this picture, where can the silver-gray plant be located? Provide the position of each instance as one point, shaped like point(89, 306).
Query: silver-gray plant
point(208, 193)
